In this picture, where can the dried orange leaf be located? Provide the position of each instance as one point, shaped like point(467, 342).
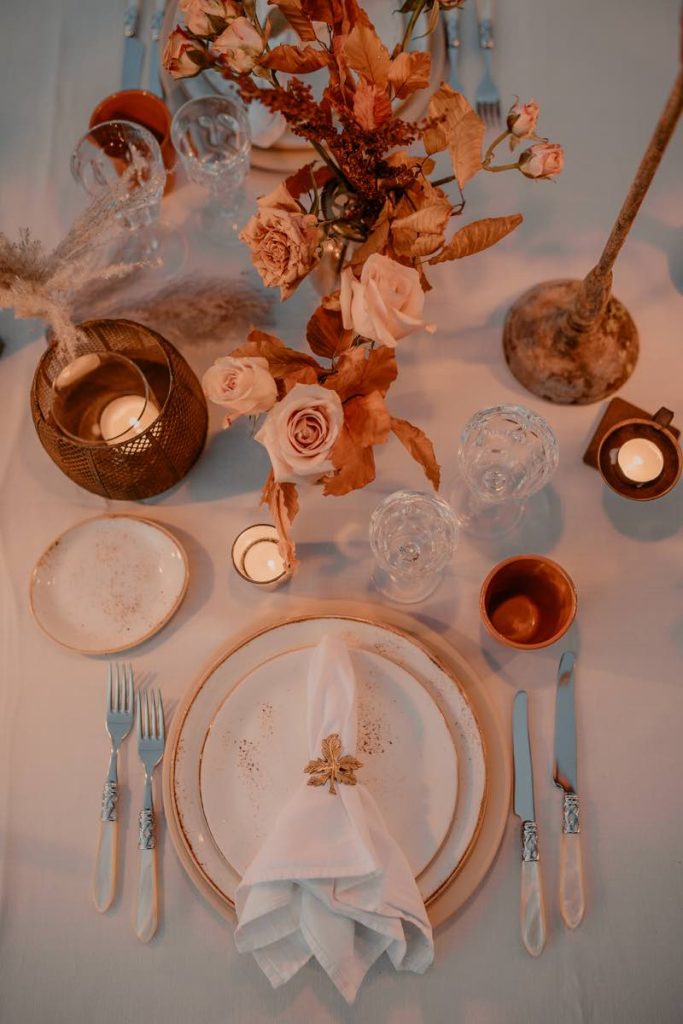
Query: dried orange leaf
point(355, 466)
point(420, 447)
point(367, 420)
point(476, 237)
point(365, 52)
point(371, 105)
point(325, 333)
point(283, 502)
point(295, 60)
point(460, 131)
point(409, 72)
point(421, 232)
point(300, 22)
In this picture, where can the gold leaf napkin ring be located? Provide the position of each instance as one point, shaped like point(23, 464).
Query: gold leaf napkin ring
point(332, 766)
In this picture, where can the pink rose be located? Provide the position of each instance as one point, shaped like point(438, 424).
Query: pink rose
point(283, 240)
point(204, 17)
point(240, 46)
point(542, 160)
point(184, 57)
point(385, 304)
point(522, 118)
point(243, 386)
point(301, 431)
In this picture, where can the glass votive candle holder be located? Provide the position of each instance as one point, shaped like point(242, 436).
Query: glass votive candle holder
point(256, 556)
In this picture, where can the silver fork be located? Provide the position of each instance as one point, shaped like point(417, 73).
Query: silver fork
point(151, 737)
point(487, 97)
point(119, 721)
point(451, 24)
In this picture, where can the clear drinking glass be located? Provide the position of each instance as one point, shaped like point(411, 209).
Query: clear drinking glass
point(413, 537)
point(102, 156)
point(212, 136)
point(507, 453)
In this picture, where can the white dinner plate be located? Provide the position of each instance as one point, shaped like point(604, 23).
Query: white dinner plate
point(257, 745)
point(108, 583)
point(405, 662)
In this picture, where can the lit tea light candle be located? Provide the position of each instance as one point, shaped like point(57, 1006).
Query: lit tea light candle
point(126, 417)
point(256, 555)
point(640, 460)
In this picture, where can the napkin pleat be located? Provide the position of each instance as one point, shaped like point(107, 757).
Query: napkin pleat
point(329, 881)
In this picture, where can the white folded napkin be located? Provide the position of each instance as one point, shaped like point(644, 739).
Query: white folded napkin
point(329, 881)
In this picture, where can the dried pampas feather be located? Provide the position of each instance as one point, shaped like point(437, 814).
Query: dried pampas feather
point(43, 285)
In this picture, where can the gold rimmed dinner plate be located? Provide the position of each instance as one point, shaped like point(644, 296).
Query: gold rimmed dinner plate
point(472, 839)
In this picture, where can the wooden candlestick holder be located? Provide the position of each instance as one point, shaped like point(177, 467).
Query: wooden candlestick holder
point(570, 341)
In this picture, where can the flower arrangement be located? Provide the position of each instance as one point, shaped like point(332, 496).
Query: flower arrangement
point(367, 201)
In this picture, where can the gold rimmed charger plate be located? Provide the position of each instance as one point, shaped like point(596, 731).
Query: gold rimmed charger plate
point(198, 855)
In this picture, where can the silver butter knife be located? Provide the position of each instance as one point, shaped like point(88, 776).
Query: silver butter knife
point(572, 898)
point(451, 23)
point(154, 68)
point(532, 910)
point(133, 47)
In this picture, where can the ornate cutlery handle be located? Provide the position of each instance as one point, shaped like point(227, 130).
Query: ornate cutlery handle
point(451, 20)
point(104, 882)
point(485, 23)
point(147, 903)
point(531, 907)
point(131, 19)
point(572, 900)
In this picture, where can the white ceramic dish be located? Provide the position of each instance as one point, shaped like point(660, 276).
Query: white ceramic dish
point(205, 861)
point(256, 747)
point(108, 583)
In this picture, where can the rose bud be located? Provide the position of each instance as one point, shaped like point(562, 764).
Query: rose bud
point(184, 56)
point(522, 118)
point(544, 160)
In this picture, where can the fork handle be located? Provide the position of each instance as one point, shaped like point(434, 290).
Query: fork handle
point(147, 903)
point(104, 881)
point(485, 12)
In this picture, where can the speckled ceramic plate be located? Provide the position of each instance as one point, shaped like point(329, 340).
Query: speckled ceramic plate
point(108, 583)
point(373, 644)
point(256, 746)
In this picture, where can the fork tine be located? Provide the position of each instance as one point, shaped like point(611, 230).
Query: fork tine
point(122, 687)
point(152, 715)
point(160, 716)
point(109, 690)
point(129, 690)
point(145, 722)
point(139, 707)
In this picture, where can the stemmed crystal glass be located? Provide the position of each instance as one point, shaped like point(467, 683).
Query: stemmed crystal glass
point(413, 537)
point(106, 153)
point(507, 453)
point(212, 137)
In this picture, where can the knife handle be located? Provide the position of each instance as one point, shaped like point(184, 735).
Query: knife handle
point(572, 899)
point(531, 906)
point(131, 19)
point(485, 23)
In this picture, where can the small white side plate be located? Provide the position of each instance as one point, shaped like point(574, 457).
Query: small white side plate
point(108, 583)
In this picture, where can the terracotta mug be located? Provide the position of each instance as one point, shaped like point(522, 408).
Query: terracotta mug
point(528, 602)
point(143, 108)
point(660, 442)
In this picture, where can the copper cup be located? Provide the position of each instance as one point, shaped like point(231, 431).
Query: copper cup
point(143, 108)
point(528, 602)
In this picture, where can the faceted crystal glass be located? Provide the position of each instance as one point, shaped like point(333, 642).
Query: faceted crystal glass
point(413, 537)
point(212, 137)
point(507, 453)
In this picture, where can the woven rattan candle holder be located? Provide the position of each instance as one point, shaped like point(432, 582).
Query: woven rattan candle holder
point(155, 458)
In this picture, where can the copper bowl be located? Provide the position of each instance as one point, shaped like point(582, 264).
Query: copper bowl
point(528, 601)
point(653, 430)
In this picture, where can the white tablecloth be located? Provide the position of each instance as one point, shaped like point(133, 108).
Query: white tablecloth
point(601, 73)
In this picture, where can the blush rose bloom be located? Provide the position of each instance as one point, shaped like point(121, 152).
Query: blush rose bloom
point(544, 160)
point(301, 431)
point(283, 240)
point(239, 46)
point(243, 386)
point(385, 304)
point(177, 59)
point(522, 119)
point(196, 13)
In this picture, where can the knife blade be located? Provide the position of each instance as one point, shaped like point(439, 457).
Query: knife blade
point(154, 67)
point(133, 47)
point(572, 899)
point(532, 910)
